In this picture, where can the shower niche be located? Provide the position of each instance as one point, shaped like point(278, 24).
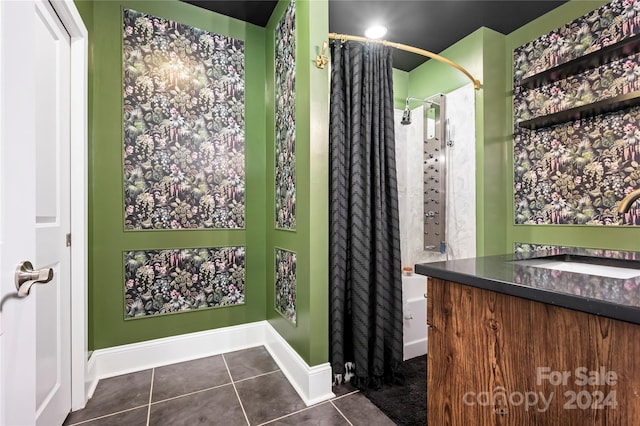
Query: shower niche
point(434, 174)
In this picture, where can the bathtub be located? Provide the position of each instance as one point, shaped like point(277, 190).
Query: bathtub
point(414, 302)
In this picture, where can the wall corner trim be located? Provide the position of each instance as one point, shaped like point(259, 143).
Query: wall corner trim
point(313, 384)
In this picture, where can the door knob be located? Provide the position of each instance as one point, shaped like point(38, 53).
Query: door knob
point(26, 277)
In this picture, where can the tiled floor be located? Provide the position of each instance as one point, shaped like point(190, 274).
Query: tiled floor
point(237, 388)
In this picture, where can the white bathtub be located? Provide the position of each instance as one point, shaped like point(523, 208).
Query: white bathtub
point(414, 302)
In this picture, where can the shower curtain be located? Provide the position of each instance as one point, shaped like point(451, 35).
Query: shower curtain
point(365, 277)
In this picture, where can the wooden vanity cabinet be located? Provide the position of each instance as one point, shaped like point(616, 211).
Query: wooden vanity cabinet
point(496, 359)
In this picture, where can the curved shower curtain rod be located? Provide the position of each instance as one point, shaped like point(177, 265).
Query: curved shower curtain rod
point(322, 59)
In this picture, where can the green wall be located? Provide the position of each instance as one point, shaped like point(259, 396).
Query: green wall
point(400, 88)
point(481, 53)
point(490, 160)
point(487, 55)
point(611, 237)
point(108, 240)
point(310, 335)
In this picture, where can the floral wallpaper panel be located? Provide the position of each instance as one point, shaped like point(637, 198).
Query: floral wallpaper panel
point(160, 282)
point(184, 126)
point(607, 81)
point(285, 126)
point(285, 298)
point(609, 24)
point(578, 172)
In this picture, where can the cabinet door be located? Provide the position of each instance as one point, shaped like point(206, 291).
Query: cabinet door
point(496, 359)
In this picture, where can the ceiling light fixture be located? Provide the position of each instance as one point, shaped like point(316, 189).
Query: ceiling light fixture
point(375, 31)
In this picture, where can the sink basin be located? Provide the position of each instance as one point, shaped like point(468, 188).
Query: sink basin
point(599, 266)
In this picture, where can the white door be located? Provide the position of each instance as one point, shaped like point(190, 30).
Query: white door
point(35, 357)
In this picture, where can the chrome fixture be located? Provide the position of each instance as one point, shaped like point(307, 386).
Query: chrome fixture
point(26, 276)
point(406, 115)
point(627, 201)
point(434, 173)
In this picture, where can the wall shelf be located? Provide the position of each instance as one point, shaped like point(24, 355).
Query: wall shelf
point(589, 110)
point(591, 60)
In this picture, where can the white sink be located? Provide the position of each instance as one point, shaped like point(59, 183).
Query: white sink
point(581, 268)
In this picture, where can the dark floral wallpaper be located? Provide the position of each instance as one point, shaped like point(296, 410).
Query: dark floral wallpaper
point(285, 137)
point(183, 126)
point(607, 25)
point(578, 172)
point(166, 281)
point(286, 284)
point(610, 80)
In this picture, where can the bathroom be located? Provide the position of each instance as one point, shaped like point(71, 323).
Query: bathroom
point(479, 189)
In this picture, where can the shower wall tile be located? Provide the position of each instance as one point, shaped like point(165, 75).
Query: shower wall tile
point(461, 220)
point(409, 147)
point(401, 154)
point(415, 184)
point(401, 177)
point(461, 177)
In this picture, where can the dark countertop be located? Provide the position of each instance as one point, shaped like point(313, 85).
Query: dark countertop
point(610, 297)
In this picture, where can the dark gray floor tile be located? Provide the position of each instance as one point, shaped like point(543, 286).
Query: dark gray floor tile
point(249, 362)
point(218, 406)
point(361, 412)
point(116, 394)
point(135, 417)
point(343, 389)
point(320, 415)
point(185, 377)
point(268, 397)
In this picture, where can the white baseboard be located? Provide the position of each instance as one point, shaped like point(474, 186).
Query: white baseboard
point(90, 380)
point(313, 384)
point(414, 348)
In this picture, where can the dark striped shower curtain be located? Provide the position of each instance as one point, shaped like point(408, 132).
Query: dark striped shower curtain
point(365, 278)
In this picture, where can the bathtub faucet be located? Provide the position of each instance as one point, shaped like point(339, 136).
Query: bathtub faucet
point(627, 201)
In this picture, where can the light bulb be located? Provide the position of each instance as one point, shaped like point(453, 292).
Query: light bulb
point(375, 31)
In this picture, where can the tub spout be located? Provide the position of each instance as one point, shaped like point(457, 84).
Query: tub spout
point(627, 201)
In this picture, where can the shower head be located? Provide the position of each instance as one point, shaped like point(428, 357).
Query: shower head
point(431, 102)
point(406, 115)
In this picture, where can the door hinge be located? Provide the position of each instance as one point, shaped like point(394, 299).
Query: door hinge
point(68, 240)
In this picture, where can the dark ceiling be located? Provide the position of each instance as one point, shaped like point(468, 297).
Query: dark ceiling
point(256, 12)
point(431, 25)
